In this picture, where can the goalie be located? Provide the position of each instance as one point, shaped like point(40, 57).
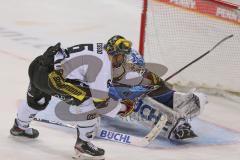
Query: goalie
point(131, 80)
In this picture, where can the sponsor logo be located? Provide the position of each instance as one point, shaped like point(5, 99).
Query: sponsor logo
point(99, 48)
point(227, 14)
point(185, 3)
point(91, 116)
point(147, 112)
point(114, 136)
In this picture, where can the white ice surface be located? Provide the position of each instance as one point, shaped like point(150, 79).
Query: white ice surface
point(28, 26)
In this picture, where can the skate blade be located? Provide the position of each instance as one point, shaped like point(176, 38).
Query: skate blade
point(83, 156)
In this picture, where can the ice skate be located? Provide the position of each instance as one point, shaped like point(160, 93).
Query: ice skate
point(28, 132)
point(182, 131)
point(87, 151)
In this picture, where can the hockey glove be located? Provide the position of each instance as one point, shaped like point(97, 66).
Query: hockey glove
point(48, 55)
point(129, 108)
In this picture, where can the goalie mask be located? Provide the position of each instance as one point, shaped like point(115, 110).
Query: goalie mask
point(117, 48)
point(118, 45)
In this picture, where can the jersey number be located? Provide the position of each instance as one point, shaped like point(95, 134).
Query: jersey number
point(80, 48)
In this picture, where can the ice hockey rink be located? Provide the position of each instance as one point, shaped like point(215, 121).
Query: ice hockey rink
point(28, 27)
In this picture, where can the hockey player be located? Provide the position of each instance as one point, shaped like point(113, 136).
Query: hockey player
point(180, 106)
point(76, 75)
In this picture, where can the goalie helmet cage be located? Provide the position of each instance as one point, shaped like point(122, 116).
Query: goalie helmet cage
point(174, 32)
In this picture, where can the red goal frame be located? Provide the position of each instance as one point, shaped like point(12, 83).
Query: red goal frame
point(202, 6)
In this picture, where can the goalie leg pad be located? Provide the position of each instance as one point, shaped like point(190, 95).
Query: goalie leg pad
point(189, 105)
point(165, 98)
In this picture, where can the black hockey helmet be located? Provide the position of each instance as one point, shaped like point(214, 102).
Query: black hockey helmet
point(118, 45)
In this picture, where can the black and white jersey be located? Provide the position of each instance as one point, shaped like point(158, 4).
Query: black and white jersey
point(88, 63)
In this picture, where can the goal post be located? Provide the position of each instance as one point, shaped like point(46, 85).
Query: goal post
point(175, 32)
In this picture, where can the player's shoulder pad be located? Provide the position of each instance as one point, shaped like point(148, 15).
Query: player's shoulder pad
point(135, 58)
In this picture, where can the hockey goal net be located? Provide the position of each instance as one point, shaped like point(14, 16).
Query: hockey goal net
point(174, 32)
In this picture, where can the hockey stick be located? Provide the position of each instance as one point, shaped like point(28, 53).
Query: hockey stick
point(200, 57)
point(117, 136)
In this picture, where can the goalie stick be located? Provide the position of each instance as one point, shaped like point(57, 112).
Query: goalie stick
point(117, 136)
point(200, 57)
